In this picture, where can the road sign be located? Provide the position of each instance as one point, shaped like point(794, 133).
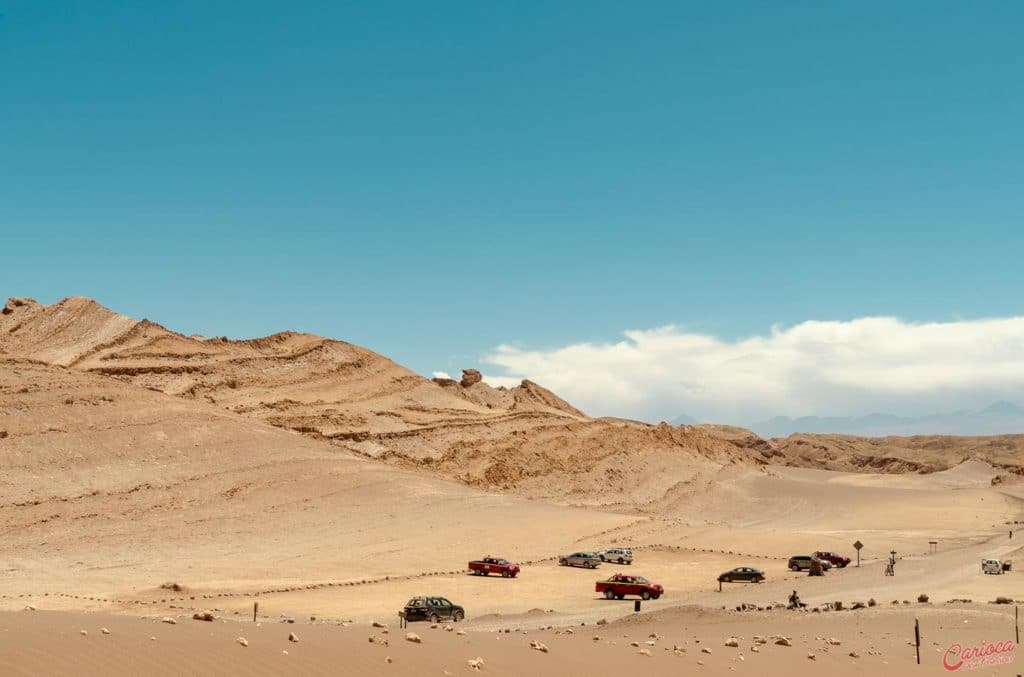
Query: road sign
point(858, 545)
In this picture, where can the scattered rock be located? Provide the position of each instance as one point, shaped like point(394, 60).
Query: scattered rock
point(833, 641)
point(30, 608)
point(537, 646)
point(243, 641)
point(603, 621)
point(105, 631)
point(470, 377)
point(168, 620)
point(378, 624)
point(475, 663)
point(644, 652)
point(292, 637)
point(783, 641)
point(83, 632)
point(705, 649)
point(811, 656)
point(732, 641)
point(854, 654)
point(388, 659)
point(413, 637)
point(203, 616)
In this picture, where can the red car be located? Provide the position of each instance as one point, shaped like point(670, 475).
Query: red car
point(494, 565)
point(833, 558)
point(620, 585)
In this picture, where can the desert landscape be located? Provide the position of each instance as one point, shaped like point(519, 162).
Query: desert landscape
point(152, 480)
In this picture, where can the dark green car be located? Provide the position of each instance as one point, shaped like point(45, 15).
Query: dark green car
point(433, 609)
point(742, 574)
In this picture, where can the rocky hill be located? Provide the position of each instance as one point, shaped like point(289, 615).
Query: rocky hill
point(524, 439)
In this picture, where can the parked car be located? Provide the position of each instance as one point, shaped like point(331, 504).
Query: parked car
point(742, 574)
point(991, 566)
point(803, 562)
point(620, 555)
point(580, 559)
point(833, 558)
point(620, 585)
point(494, 565)
point(433, 609)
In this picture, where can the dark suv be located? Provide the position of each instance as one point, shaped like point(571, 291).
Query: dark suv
point(433, 609)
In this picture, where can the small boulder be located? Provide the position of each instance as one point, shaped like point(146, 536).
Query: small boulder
point(292, 637)
point(168, 620)
point(475, 663)
point(470, 377)
point(783, 641)
point(413, 637)
point(243, 641)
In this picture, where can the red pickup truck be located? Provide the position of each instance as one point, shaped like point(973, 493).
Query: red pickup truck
point(494, 565)
point(620, 585)
point(834, 558)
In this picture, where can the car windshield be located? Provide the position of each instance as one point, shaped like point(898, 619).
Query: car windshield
point(641, 579)
point(415, 601)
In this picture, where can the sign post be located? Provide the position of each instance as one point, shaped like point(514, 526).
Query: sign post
point(857, 546)
point(917, 640)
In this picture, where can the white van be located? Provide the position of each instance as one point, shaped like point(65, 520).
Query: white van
point(991, 566)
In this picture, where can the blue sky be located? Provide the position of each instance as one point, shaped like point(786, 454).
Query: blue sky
point(433, 180)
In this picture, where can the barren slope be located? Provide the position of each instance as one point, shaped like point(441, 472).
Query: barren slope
point(524, 439)
point(922, 453)
point(110, 490)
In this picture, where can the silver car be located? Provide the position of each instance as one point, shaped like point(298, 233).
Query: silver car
point(620, 555)
point(580, 559)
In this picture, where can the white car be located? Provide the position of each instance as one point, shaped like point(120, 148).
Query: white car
point(620, 555)
point(991, 566)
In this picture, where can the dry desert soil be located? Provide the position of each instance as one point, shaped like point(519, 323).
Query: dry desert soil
point(147, 475)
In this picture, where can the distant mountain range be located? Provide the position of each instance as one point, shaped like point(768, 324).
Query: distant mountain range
point(999, 418)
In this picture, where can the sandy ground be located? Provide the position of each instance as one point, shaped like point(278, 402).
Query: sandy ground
point(111, 486)
point(666, 643)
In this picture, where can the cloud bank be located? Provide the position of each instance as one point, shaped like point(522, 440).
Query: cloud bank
point(871, 364)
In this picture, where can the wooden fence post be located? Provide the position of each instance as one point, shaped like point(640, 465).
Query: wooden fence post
point(917, 640)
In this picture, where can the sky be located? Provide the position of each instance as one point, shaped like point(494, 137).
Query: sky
point(623, 201)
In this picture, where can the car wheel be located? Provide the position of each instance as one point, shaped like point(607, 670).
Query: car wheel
point(504, 574)
point(602, 558)
point(646, 594)
point(620, 596)
point(608, 594)
point(656, 596)
point(563, 562)
point(794, 567)
point(728, 579)
point(620, 560)
point(458, 616)
point(434, 618)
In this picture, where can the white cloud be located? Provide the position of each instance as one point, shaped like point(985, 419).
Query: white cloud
point(496, 381)
point(872, 364)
